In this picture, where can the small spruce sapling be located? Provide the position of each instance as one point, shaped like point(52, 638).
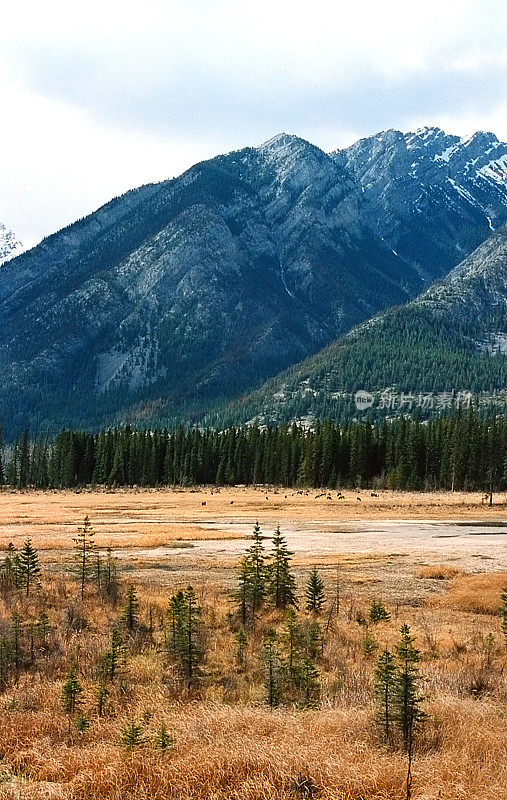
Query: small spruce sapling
point(163, 738)
point(269, 655)
point(132, 735)
point(84, 550)
point(385, 683)
point(378, 613)
point(315, 597)
point(28, 567)
point(503, 612)
point(71, 692)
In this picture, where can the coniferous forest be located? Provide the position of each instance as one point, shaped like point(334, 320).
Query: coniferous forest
point(461, 451)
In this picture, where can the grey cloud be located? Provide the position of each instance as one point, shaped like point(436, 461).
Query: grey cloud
point(187, 101)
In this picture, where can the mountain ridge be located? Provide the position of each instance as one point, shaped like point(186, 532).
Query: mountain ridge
point(454, 331)
point(182, 294)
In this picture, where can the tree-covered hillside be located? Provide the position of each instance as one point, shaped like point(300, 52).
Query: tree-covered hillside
point(430, 354)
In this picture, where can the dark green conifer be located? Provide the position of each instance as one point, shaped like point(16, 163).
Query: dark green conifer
point(132, 735)
point(84, 552)
point(130, 616)
point(407, 699)
point(163, 739)
point(281, 583)
point(28, 566)
point(378, 613)
point(192, 652)
point(385, 684)
point(503, 612)
point(241, 643)
point(315, 596)
point(270, 658)
point(71, 692)
point(16, 643)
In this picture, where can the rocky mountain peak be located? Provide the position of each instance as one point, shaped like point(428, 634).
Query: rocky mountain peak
point(10, 246)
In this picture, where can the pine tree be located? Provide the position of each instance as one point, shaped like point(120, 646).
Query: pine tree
point(255, 555)
point(110, 584)
point(130, 616)
point(83, 554)
point(9, 570)
point(177, 617)
point(191, 653)
point(163, 739)
point(241, 642)
point(252, 578)
point(101, 695)
point(71, 692)
point(5, 662)
point(243, 592)
point(281, 582)
point(270, 658)
point(315, 597)
point(28, 566)
point(113, 659)
point(132, 735)
point(82, 724)
point(378, 613)
point(43, 629)
point(308, 680)
point(385, 683)
point(407, 699)
point(292, 637)
point(16, 646)
point(312, 639)
point(503, 612)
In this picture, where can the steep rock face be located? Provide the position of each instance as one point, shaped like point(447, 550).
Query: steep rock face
point(452, 338)
point(9, 245)
point(431, 196)
point(182, 294)
point(192, 289)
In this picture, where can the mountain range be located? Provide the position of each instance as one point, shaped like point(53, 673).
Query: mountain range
point(178, 297)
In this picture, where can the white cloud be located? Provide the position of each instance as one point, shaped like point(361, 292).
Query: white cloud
point(101, 96)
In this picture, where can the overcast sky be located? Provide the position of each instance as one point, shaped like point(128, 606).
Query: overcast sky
point(100, 96)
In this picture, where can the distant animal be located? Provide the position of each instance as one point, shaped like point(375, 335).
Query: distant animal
point(203, 503)
point(267, 498)
point(374, 494)
point(358, 498)
point(231, 503)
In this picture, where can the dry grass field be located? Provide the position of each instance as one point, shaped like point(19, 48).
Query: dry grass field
point(227, 744)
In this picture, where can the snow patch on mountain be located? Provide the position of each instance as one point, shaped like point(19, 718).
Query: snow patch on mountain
point(9, 245)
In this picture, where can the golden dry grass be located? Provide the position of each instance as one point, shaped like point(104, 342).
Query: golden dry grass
point(228, 744)
point(478, 594)
point(438, 572)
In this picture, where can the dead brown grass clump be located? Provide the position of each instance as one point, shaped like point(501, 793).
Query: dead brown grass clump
point(478, 594)
point(439, 572)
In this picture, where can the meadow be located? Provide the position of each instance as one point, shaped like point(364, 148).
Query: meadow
point(281, 703)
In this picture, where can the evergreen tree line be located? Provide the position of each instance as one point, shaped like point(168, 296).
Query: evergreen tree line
point(461, 451)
